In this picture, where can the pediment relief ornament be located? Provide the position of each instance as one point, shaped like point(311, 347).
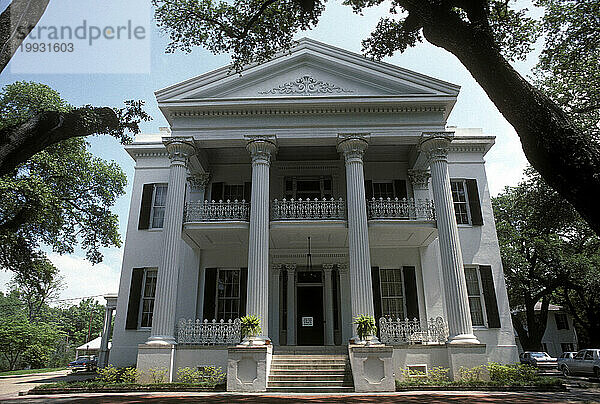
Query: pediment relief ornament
point(306, 85)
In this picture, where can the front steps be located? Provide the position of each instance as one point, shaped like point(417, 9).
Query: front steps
point(302, 369)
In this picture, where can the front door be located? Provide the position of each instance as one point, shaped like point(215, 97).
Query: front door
point(310, 327)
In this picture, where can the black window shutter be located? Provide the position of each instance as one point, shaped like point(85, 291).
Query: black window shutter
point(376, 293)
point(489, 295)
point(210, 294)
point(368, 190)
point(400, 189)
point(243, 290)
point(216, 192)
point(410, 290)
point(247, 191)
point(474, 203)
point(135, 295)
point(144, 220)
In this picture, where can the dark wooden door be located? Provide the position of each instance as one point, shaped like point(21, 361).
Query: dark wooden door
point(310, 315)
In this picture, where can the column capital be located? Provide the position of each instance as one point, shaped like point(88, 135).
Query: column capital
point(261, 148)
point(290, 268)
point(180, 149)
point(328, 267)
point(419, 178)
point(435, 145)
point(198, 182)
point(342, 267)
point(352, 145)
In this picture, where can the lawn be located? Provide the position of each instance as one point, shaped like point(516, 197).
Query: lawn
point(29, 371)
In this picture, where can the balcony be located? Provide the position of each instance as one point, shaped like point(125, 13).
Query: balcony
point(404, 222)
point(324, 220)
point(400, 209)
point(222, 224)
point(317, 209)
point(217, 211)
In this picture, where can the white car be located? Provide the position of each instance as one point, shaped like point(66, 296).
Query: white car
point(585, 363)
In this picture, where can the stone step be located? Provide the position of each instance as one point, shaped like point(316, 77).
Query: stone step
point(308, 366)
point(310, 371)
point(308, 378)
point(309, 383)
point(311, 356)
point(322, 389)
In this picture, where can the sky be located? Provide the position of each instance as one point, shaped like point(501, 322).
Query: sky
point(338, 26)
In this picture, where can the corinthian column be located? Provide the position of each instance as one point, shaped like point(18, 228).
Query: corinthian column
point(327, 285)
point(435, 147)
point(260, 148)
point(163, 320)
point(361, 291)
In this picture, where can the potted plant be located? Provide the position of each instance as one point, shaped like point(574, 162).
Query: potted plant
point(366, 328)
point(250, 327)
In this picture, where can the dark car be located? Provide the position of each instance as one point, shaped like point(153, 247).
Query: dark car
point(538, 359)
point(88, 363)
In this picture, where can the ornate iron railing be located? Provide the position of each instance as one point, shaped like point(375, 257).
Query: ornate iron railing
point(309, 209)
point(404, 209)
point(217, 211)
point(406, 331)
point(198, 332)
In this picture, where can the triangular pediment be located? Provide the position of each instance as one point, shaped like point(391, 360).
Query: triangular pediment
point(310, 69)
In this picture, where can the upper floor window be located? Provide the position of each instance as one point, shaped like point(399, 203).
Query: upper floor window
point(385, 189)
point(461, 204)
point(392, 293)
point(148, 295)
point(159, 202)
point(308, 187)
point(233, 192)
point(223, 191)
point(561, 321)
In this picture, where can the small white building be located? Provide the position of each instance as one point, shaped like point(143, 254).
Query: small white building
point(560, 335)
point(324, 145)
point(90, 348)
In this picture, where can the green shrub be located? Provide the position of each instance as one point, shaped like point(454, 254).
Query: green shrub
point(212, 375)
point(472, 376)
point(157, 375)
point(188, 375)
point(365, 326)
point(512, 374)
point(108, 375)
point(250, 326)
point(129, 375)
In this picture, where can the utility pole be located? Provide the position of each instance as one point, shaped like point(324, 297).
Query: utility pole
point(89, 331)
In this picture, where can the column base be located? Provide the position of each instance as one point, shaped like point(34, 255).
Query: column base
point(161, 340)
point(463, 339)
point(255, 341)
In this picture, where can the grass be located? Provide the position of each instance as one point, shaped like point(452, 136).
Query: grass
point(30, 371)
point(95, 385)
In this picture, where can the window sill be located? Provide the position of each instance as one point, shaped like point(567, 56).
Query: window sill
point(155, 230)
point(465, 225)
point(480, 327)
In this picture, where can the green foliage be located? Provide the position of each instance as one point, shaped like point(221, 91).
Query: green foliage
point(129, 375)
point(206, 376)
point(61, 197)
point(490, 374)
point(157, 375)
point(365, 326)
point(250, 326)
point(109, 374)
point(569, 70)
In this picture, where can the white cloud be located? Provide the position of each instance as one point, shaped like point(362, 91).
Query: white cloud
point(505, 162)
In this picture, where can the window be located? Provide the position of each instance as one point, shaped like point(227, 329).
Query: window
point(461, 201)
point(148, 295)
point(589, 355)
point(233, 192)
point(308, 187)
point(580, 355)
point(475, 296)
point(392, 296)
point(159, 199)
point(562, 322)
point(383, 189)
point(228, 294)
point(567, 347)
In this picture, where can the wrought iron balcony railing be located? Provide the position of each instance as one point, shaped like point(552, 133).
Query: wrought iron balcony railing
point(198, 332)
point(308, 209)
point(398, 331)
point(217, 211)
point(403, 209)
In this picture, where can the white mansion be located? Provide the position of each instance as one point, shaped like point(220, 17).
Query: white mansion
point(314, 188)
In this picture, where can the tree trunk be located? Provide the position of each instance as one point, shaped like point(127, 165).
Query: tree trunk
point(565, 156)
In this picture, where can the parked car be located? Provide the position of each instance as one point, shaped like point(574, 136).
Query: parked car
point(564, 359)
point(585, 363)
point(538, 359)
point(85, 362)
